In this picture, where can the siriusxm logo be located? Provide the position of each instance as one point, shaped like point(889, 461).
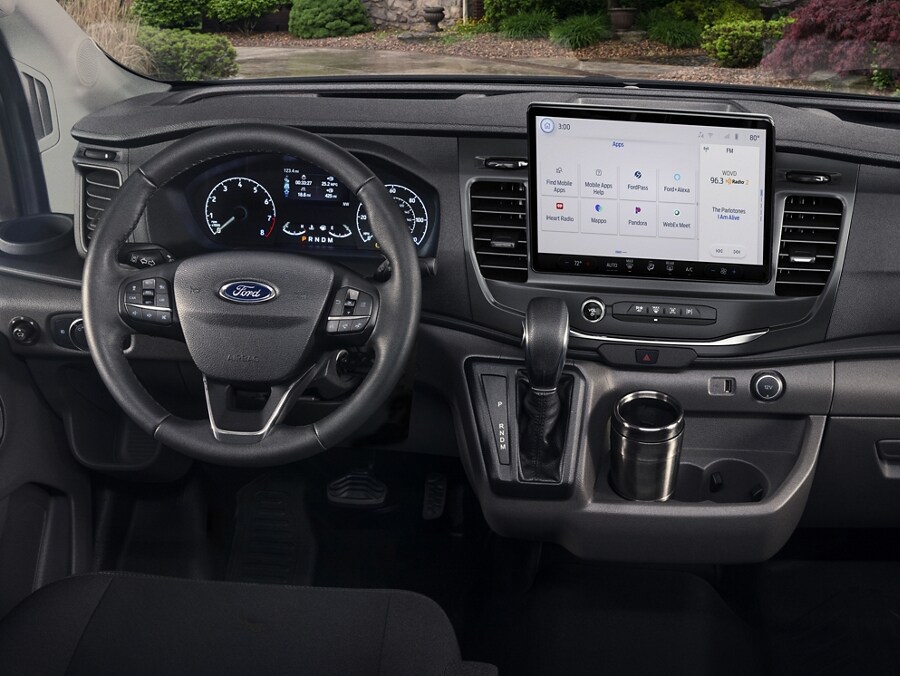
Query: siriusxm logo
point(246, 291)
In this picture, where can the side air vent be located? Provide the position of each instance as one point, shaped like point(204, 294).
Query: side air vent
point(809, 237)
point(39, 105)
point(500, 229)
point(98, 186)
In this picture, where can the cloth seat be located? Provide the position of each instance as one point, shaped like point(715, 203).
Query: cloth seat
point(120, 623)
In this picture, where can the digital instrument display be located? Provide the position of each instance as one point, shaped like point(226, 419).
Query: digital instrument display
point(650, 193)
point(282, 202)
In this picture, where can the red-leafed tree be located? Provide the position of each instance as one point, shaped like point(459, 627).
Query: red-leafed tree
point(846, 37)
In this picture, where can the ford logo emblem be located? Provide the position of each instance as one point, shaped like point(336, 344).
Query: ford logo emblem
point(247, 291)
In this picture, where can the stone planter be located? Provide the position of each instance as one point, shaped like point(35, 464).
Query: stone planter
point(433, 15)
point(622, 18)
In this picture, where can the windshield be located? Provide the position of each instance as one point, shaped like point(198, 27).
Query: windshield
point(827, 45)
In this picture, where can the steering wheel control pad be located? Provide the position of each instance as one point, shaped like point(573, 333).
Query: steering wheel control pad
point(148, 300)
point(250, 316)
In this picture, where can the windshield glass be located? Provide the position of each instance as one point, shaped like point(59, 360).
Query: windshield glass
point(827, 45)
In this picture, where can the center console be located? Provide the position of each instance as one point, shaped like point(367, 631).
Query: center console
point(690, 260)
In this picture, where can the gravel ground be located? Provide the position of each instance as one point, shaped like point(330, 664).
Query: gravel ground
point(692, 64)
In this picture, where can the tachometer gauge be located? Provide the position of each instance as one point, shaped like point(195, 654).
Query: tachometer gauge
point(413, 210)
point(239, 208)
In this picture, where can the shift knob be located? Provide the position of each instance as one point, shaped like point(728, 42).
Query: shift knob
point(546, 339)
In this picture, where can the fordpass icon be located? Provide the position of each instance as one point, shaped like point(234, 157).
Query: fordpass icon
point(247, 291)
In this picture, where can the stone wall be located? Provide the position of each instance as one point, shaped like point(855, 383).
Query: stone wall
point(408, 13)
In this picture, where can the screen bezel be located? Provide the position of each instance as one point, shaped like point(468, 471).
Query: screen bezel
point(599, 266)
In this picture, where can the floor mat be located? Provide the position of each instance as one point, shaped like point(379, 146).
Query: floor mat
point(831, 618)
point(273, 537)
point(617, 620)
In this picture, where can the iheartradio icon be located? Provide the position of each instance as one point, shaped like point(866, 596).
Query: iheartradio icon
point(560, 205)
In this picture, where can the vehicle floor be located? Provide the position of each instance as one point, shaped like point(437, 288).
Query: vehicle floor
point(829, 603)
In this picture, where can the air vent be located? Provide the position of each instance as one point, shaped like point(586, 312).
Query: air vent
point(39, 105)
point(98, 186)
point(809, 237)
point(500, 229)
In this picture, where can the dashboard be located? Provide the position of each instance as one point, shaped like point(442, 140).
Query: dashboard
point(792, 268)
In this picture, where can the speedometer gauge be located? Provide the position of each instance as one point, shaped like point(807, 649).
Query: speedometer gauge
point(240, 209)
point(413, 211)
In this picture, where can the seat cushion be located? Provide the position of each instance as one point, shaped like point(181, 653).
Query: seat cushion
point(112, 623)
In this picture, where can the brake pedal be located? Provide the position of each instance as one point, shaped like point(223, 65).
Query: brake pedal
point(357, 489)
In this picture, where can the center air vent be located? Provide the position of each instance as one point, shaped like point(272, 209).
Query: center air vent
point(98, 186)
point(500, 229)
point(809, 237)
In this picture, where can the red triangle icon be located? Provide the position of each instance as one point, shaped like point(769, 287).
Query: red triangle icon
point(646, 357)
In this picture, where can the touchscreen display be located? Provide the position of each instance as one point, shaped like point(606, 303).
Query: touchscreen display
point(653, 194)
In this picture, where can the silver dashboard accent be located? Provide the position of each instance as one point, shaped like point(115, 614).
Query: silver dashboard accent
point(740, 339)
point(602, 309)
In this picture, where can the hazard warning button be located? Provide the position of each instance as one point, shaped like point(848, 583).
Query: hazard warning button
point(647, 357)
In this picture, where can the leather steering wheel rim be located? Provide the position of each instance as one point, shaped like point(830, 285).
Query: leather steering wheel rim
point(391, 340)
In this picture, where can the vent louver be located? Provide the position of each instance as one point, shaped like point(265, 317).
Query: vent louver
point(809, 236)
point(500, 229)
point(98, 186)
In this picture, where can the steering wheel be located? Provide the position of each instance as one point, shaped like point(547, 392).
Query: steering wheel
point(251, 318)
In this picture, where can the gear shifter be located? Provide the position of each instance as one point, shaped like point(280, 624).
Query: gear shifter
point(543, 395)
point(546, 339)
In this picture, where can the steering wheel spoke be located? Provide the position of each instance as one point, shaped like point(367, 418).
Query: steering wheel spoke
point(231, 424)
point(352, 313)
point(147, 301)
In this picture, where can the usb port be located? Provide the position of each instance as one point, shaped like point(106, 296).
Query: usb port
point(722, 387)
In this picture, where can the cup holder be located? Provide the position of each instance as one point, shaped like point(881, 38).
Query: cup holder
point(33, 235)
point(723, 481)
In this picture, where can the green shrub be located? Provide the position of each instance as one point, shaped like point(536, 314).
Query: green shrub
point(495, 11)
point(528, 25)
point(674, 32)
point(707, 12)
point(169, 13)
point(581, 31)
point(741, 44)
point(242, 14)
point(327, 18)
point(185, 56)
point(566, 8)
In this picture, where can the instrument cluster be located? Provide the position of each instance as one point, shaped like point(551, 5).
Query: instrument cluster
point(269, 201)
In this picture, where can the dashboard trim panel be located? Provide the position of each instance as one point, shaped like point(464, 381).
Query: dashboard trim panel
point(740, 339)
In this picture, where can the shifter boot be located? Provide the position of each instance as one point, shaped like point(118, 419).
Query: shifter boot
point(543, 417)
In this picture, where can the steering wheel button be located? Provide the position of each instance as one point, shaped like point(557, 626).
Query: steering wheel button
point(363, 305)
point(352, 294)
point(162, 286)
point(134, 312)
point(345, 326)
point(133, 287)
point(148, 283)
point(164, 316)
point(332, 326)
point(133, 298)
point(162, 300)
point(358, 324)
point(149, 315)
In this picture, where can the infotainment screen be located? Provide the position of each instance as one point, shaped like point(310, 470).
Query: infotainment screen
point(650, 193)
